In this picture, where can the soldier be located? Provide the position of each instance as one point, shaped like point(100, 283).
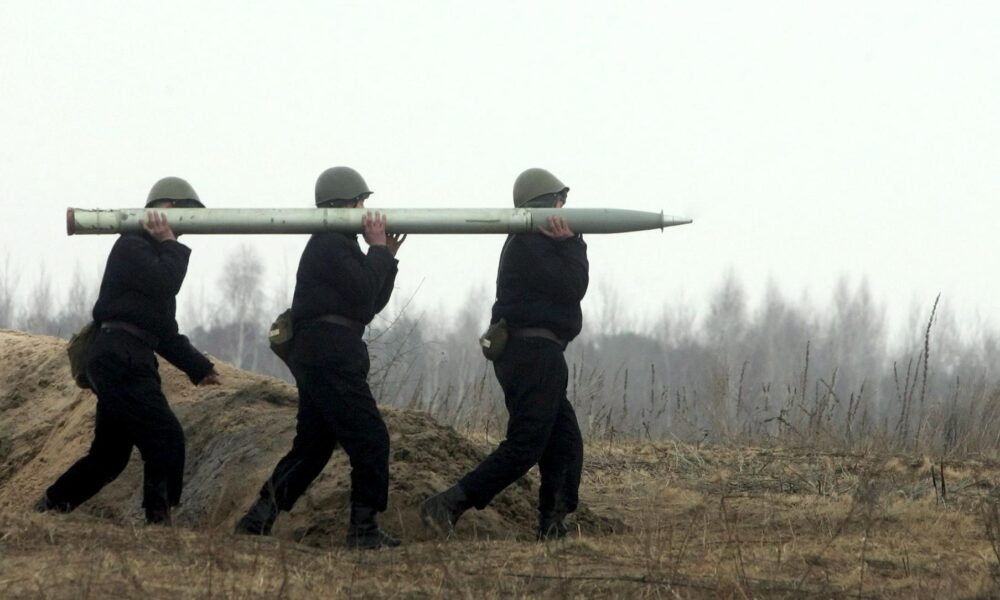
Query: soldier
point(541, 279)
point(338, 290)
point(134, 317)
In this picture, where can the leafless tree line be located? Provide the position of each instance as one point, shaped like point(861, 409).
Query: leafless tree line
point(40, 310)
point(781, 372)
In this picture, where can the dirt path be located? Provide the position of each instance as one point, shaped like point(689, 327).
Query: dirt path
point(236, 433)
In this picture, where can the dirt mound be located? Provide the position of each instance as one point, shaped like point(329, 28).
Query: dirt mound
point(236, 433)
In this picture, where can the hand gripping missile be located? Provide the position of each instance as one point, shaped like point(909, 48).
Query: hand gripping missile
point(348, 220)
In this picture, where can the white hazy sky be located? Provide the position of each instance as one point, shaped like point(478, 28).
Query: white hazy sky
point(808, 140)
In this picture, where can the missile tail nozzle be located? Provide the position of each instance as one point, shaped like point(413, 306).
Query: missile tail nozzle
point(70, 222)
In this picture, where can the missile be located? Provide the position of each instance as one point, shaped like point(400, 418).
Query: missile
point(348, 220)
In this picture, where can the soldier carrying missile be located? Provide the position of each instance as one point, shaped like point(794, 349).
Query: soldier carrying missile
point(338, 291)
point(134, 317)
point(541, 279)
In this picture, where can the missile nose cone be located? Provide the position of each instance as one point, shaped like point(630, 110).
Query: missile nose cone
point(670, 221)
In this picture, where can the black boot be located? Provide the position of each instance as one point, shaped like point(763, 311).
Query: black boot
point(44, 504)
point(159, 515)
point(364, 532)
point(259, 519)
point(441, 512)
point(551, 526)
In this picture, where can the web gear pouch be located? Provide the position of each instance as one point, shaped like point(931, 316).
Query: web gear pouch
point(77, 349)
point(494, 340)
point(280, 335)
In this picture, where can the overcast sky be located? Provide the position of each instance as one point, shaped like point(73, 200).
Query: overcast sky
point(808, 140)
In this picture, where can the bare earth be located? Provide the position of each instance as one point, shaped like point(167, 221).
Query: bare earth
point(699, 522)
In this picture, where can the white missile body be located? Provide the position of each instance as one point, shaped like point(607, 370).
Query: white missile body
point(348, 220)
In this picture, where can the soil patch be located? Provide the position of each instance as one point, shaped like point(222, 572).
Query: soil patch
point(236, 433)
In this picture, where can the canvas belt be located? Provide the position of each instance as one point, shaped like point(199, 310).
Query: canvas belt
point(539, 332)
point(355, 326)
point(144, 336)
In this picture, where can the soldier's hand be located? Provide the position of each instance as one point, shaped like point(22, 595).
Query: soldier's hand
point(374, 228)
point(211, 379)
point(558, 229)
point(156, 226)
point(394, 241)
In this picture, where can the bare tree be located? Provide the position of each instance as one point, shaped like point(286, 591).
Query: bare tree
point(8, 288)
point(39, 316)
point(79, 301)
point(243, 301)
point(727, 314)
point(613, 317)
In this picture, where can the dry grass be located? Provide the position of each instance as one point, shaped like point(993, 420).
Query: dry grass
point(705, 522)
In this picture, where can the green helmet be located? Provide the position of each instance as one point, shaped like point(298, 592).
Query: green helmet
point(534, 183)
point(340, 183)
point(174, 188)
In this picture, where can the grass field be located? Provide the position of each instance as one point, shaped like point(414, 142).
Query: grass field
point(701, 522)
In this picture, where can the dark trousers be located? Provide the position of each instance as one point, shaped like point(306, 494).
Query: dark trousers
point(335, 406)
point(131, 411)
point(542, 429)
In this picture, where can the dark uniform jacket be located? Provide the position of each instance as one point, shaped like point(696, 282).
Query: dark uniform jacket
point(541, 282)
point(140, 285)
point(336, 278)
